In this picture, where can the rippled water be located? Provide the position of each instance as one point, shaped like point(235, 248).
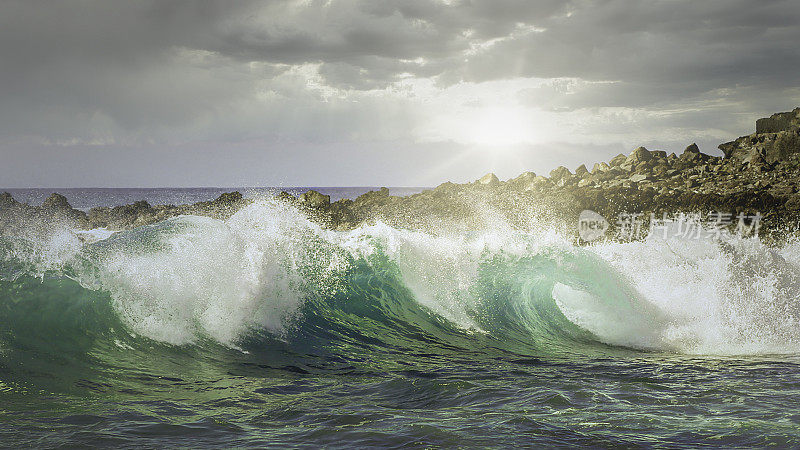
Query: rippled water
point(264, 329)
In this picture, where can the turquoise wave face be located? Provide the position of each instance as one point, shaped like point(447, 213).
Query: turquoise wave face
point(76, 320)
point(266, 328)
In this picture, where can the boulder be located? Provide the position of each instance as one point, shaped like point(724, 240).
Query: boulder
point(537, 182)
point(692, 149)
point(559, 173)
point(315, 199)
point(523, 179)
point(758, 163)
point(617, 160)
point(639, 155)
point(489, 179)
point(692, 154)
point(782, 146)
point(286, 197)
point(793, 203)
point(600, 167)
point(229, 198)
point(6, 200)
point(56, 201)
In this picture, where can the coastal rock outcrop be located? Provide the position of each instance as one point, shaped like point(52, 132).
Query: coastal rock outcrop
point(776, 138)
point(759, 173)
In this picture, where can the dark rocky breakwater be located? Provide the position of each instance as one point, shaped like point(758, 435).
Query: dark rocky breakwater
point(758, 174)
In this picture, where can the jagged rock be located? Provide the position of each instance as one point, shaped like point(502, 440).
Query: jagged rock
point(659, 154)
point(537, 183)
point(559, 173)
point(141, 205)
point(793, 203)
point(489, 179)
point(600, 167)
point(229, 198)
point(640, 154)
point(56, 201)
point(786, 121)
point(776, 138)
point(285, 196)
point(785, 144)
point(758, 163)
point(7, 200)
point(692, 149)
point(524, 179)
point(314, 199)
point(617, 160)
point(373, 198)
point(765, 179)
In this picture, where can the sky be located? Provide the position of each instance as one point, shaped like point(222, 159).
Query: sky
point(376, 92)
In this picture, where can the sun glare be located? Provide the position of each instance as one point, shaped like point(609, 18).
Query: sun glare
point(500, 126)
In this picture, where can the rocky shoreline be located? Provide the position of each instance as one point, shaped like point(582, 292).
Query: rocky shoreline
point(758, 174)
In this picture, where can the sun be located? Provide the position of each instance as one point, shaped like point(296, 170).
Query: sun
point(500, 126)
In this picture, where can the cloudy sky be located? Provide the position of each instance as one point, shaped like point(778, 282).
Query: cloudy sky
point(376, 92)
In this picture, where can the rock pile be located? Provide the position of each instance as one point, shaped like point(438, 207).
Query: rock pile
point(758, 173)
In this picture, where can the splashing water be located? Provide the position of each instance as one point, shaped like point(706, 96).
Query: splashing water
point(268, 290)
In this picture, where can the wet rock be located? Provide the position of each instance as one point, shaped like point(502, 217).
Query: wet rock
point(314, 199)
point(759, 173)
point(793, 203)
point(286, 197)
point(7, 200)
point(56, 201)
point(229, 198)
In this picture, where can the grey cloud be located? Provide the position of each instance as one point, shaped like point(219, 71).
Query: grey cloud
point(678, 46)
point(152, 72)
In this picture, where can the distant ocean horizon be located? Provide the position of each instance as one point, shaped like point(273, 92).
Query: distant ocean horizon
point(87, 198)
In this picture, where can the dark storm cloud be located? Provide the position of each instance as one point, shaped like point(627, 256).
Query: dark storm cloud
point(678, 48)
point(147, 72)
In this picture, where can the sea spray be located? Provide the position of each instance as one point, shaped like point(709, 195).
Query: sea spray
point(191, 278)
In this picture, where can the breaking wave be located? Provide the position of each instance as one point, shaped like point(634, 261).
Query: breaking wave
point(269, 278)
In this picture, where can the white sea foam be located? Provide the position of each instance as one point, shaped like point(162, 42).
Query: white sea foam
point(214, 278)
point(196, 277)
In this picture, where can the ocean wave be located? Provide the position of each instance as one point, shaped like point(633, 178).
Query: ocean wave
point(269, 271)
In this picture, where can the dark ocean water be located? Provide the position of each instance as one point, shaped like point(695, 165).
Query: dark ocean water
point(265, 330)
point(87, 198)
